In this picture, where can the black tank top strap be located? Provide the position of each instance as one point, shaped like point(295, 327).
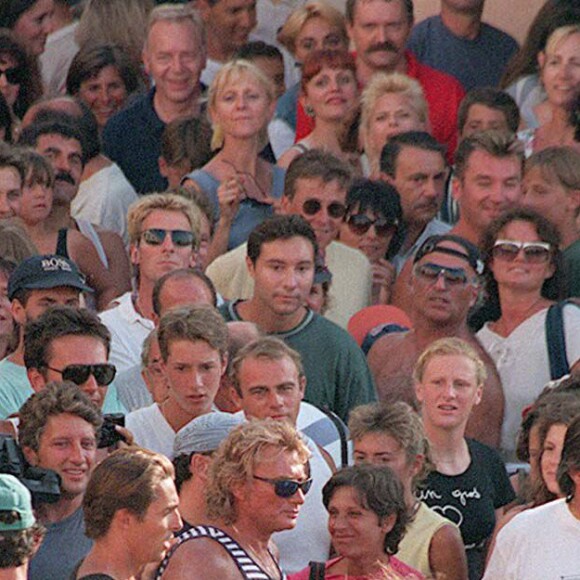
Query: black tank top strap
point(61, 247)
point(244, 562)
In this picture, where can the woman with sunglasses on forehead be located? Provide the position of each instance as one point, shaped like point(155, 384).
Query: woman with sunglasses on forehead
point(524, 263)
point(372, 225)
point(367, 518)
point(330, 95)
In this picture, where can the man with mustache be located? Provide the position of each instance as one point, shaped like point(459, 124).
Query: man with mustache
point(414, 163)
point(378, 30)
point(61, 142)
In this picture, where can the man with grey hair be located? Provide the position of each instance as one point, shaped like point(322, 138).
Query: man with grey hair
point(174, 56)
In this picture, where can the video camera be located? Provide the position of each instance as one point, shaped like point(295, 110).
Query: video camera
point(43, 484)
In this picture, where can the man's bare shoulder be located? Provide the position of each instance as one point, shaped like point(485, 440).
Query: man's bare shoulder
point(391, 361)
point(199, 559)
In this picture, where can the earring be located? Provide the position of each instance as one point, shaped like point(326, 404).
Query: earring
point(309, 110)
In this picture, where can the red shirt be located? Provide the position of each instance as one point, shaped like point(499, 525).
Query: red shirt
point(443, 93)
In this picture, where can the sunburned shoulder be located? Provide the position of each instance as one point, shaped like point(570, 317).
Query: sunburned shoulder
point(394, 341)
point(200, 559)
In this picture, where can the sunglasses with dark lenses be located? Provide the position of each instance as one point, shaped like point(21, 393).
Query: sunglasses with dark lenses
point(430, 273)
point(156, 236)
point(360, 224)
point(79, 374)
point(534, 252)
point(287, 487)
point(14, 75)
point(335, 210)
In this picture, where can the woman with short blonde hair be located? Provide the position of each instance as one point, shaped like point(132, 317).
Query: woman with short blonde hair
point(391, 104)
point(241, 186)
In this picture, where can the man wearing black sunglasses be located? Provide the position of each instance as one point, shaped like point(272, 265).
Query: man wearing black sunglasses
point(257, 484)
point(444, 285)
point(37, 284)
point(163, 236)
point(315, 188)
point(68, 344)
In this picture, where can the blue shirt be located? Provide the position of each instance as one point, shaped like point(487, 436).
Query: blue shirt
point(250, 213)
point(477, 62)
point(132, 139)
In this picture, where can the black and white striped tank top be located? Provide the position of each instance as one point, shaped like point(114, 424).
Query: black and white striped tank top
point(246, 565)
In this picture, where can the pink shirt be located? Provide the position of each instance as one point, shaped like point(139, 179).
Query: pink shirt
point(396, 566)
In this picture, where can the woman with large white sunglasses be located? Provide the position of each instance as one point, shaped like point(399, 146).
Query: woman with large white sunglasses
point(525, 276)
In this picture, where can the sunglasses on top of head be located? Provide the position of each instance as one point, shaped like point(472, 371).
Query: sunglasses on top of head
point(156, 237)
point(360, 224)
point(335, 210)
point(287, 487)
point(534, 252)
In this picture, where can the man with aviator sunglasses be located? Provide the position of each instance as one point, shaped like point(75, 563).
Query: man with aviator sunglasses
point(68, 344)
point(163, 237)
point(444, 286)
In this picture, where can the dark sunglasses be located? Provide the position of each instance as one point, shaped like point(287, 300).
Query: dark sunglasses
point(156, 236)
point(79, 374)
point(287, 487)
point(14, 75)
point(360, 224)
point(534, 252)
point(430, 273)
point(335, 210)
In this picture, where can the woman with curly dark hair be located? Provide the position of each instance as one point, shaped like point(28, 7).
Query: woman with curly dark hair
point(103, 77)
point(367, 518)
point(525, 277)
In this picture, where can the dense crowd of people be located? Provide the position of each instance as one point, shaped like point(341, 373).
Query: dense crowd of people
point(288, 291)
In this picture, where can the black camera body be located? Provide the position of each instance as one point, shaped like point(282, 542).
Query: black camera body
point(43, 484)
point(108, 435)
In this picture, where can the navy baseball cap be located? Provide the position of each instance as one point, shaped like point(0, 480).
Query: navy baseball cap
point(48, 271)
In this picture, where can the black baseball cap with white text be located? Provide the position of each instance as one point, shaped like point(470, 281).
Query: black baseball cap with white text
point(46, 271)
